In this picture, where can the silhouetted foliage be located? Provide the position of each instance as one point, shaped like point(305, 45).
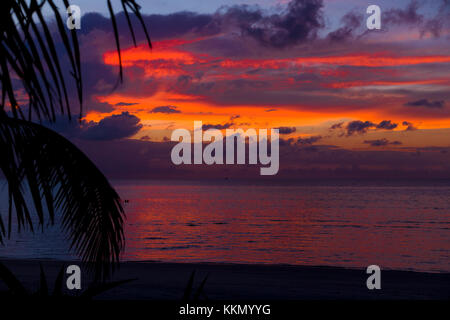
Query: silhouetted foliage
point(16, 288)
point(189, 294)
point(34, 159)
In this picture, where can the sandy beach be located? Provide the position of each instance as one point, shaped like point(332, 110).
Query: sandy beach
point(167, 281)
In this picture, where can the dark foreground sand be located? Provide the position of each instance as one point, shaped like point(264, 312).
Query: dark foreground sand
point(167, 281)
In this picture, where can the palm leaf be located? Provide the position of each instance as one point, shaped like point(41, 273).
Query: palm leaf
point(57, 290)
point(189, 290)
point(58, 176)
point(199, 291)
point(116, 37)
point(14, 285)
point(63, 177)
point(189, 287)
point(43, 288)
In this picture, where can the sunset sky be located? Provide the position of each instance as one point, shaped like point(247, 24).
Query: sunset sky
point(308, 67)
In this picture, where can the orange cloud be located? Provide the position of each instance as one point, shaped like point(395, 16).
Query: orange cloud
point(351, 84)
point(359, 60)
point(170, 59)
point(166, 59)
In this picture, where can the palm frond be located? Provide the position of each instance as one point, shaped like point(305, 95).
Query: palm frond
point(14, 284)
point(58, 175)
point(17, 289)
point(189, 287)
point(57, 290)
point(43, 288)
point(189, 290)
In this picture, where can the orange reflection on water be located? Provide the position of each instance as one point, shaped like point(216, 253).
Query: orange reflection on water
point(353, 226)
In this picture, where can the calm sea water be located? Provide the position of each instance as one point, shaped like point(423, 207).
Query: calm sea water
point(394, 225)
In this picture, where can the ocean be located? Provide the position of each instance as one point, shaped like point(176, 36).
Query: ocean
point(400, 225)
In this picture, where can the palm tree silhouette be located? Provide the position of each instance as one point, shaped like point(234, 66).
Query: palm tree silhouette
point(35, 159)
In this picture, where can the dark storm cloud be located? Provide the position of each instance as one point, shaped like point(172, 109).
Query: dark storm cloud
point(309, 140)
point(387, 125)
point(426, 103)
point(350, 23)
point(165, 109)
point(409, 15)
point(125, 104)
point(336, 126)
point(184, 79)
point(113, 127)
point(286, 130)
point(359, 127)
point(381, 142)
point(299, 22)
point(217, 126)
point(159, 26)
point(409, 126)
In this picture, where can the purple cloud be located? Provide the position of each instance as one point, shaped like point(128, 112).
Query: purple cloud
point(426, 103)
point(359, 127)
point(217, 126)
point(409, 125)
point(165, 109)
point(387, 125)
point(114, 127)
point(381, 142)
point(286, 130)
point(299, 22)
point(309, 140)
point(125, 104)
